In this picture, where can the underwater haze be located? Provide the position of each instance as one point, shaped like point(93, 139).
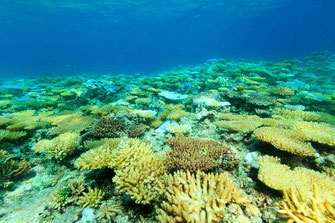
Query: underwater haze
point(107, 36)
point(167, 111)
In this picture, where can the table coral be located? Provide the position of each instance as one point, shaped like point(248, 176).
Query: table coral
point(286, 140)
point(194, 154)
point(317, 132)
point(59, 147)
point(281, 177)
point(198, 198)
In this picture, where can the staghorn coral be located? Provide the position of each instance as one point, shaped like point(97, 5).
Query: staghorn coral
point(137, 130)
point(136, 165)
point(10, 169)
point(11, 135)
point(61, 198)
point(99, 157)
point(194, 154)
point(93, 198)
point(4, 120)
point(197, 198)
point(311, 210)
point(77, 189)
point(317, 132)
point(109, 127)
point(59, 147)
point(281, 177)
point(109, 212)
point(286, 140)
point(139, 180)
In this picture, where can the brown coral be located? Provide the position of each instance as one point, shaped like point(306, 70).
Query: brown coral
point(200, 198)
point(194, 154)
point(109, 127)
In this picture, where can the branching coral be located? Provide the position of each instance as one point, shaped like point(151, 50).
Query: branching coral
point(10, 169)
point(173, 112)
point(98, 158)
point(136, 165)
point(286, 140)
point(281, 91)
point(109, 212)
point(198, 198)
point(109, 127)
point(140, 179)
point(194, 154)
point(311, 210)
point(281, 177)
point(93, 198)
point(59, 147)
point(11, 135)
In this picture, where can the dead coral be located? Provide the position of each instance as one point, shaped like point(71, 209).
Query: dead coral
point(198, 198)
point(194, 154)
point(286, 140)
point(311, 210)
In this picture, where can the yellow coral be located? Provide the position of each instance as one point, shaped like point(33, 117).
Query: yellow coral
point(11, 135)
point(317, 132)
point(300, 115)
point(139, 180)
point(286, 140)
point(99, 157)
point(281, 177)
point(71, 123)
point(93, 198)
point(59, 147)
point(4, 120)
point(311, 210)
point(198, 198)
point(243, 126)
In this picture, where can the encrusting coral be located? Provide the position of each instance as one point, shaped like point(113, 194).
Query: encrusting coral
point(311, 210)
point(59, 147)
point(280, 177)
point(194, 154)
point(199, 198)
point(286, 140)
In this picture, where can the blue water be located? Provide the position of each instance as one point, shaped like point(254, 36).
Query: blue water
point(39, 37)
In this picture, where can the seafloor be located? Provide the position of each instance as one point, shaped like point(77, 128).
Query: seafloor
point(225, 141)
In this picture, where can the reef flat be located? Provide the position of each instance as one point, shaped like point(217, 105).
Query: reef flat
point(224, 141)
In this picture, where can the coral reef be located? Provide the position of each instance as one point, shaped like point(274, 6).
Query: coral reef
point(191, 154)
point(198, 198)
